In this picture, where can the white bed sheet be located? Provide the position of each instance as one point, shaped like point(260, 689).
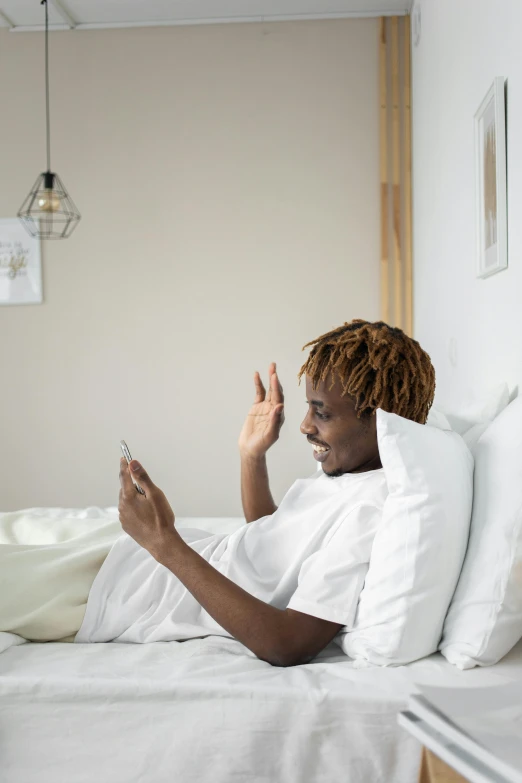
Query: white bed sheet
point(208, 710)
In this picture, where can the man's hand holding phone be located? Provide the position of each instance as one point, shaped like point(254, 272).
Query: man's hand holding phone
point(126, 453)
point(145, 513)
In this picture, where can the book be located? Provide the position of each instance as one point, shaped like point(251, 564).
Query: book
point(476, 730)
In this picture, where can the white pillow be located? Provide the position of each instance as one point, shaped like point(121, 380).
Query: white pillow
point(436, 418)
point(473, 416)
point(419, 548)
point(485, 617)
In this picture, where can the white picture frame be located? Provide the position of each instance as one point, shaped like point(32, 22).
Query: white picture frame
point(491, 181)
point(20, 265)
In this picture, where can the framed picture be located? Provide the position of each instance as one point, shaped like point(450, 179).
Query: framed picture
point(20, 265)
point(491, 185)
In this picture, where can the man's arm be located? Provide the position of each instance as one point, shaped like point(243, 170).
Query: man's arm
point(282, 637)
point(260, 432)
point(255, 490)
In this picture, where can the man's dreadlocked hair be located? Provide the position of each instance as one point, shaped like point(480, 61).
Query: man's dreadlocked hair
point(378, 365)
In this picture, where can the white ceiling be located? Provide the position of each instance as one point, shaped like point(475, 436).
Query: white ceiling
point(24, 15)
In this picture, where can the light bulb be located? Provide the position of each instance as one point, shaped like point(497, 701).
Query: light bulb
point(48, 200)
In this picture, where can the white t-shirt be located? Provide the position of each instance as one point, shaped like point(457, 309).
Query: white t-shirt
point(310, 555)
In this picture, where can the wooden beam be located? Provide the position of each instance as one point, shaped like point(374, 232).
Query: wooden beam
point(406, 179)
point(383, 81)
point(396, 177)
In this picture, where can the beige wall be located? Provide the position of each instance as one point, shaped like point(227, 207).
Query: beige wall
point(228, 181)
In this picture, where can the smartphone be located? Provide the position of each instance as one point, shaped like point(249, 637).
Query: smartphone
point(126, 453)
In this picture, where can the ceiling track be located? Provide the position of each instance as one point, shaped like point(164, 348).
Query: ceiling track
point(66, 17)
point(69, 23)
point(6, 21)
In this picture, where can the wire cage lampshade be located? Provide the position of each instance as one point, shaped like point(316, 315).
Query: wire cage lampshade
point(48, 211)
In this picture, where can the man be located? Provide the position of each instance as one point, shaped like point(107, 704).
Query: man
point(285, 583)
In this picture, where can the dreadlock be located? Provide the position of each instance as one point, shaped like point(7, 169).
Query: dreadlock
point(378, 365)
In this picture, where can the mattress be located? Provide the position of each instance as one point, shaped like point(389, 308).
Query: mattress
point(208, 710)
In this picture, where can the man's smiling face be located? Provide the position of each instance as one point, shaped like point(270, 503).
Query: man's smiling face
point(345, 444)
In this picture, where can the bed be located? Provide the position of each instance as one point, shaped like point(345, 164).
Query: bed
point(208, 710)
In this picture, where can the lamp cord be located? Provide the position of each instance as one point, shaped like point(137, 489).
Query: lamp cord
point(44, 2)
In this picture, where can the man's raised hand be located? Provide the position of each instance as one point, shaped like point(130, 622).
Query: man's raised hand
point(265, 418)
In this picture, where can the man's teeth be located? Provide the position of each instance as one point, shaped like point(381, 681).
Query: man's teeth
point(319, 448)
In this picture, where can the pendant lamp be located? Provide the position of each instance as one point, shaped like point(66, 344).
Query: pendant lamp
point(48, 211)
